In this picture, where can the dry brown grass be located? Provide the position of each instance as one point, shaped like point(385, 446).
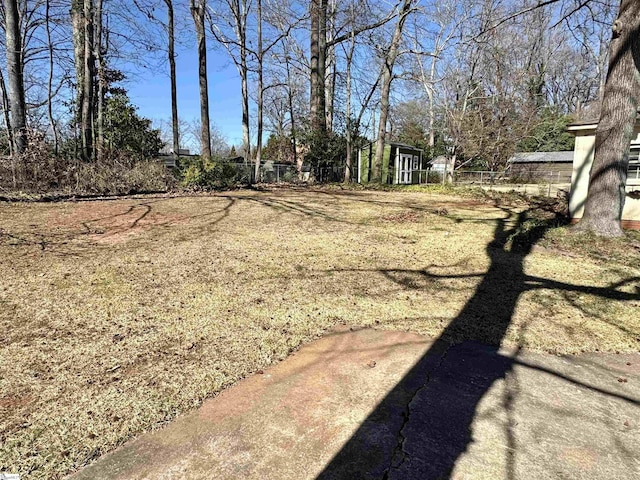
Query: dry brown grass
point(117, 315)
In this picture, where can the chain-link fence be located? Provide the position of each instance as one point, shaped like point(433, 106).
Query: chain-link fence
point(288, 173)
point(544, 184)
point(487, 178)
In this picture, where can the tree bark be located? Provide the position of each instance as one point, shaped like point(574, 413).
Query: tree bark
point(172, 73)
point(83, 37)
point(99, 56)
point(297, 161)
point(15, 74)
point(385, 89)
point(77, 27)
point(5, 112)
point(241, 32)
point(331, 67)
point(88, 82)
point(606, 195)
point(54, 131)
point(197, 12)
point(349, 61)
point(318, 49)
point(432, 106)
point(260, 55)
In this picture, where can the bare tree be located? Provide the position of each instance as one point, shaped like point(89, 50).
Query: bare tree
point(318, 50)
point(99, 55)
point(353, 123)
point(15, 68)
point(235, 13)
point(385, 86)
point(83, 37)
point(172, 74)
point(54, 129)
point(260, 59)
point(198, 11)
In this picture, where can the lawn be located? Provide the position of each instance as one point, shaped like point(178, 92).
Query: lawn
point(117, 315)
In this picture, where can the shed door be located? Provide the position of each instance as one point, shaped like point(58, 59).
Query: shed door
point(405, 169)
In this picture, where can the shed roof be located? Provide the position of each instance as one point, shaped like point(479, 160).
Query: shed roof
point(542, 157)
point(396, 144)
point(440, 160)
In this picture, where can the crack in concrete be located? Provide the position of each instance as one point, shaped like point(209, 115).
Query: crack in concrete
point(399, 454)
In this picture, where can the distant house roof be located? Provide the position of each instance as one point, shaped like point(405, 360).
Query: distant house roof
point(182, 152)
point(236, 159)
point(542, 157)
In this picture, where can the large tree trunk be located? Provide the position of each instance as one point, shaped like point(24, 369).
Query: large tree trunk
point(88, 82)
point(606, 196)
point(318, 49)
point(172, 73)
point(83, 32)
point(197, 12)
point(385, 89)
point(15, 74)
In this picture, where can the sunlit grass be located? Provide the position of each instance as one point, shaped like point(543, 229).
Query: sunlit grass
point(117, 315)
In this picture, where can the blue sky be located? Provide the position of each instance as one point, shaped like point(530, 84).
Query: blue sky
point(151, 92)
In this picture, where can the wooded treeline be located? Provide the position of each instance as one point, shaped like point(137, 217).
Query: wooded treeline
point(474, 80)
point(466, 77)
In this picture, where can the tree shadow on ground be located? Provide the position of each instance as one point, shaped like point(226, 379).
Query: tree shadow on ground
point(424, 424)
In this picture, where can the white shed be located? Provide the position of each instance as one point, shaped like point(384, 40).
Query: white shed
point(585, 133)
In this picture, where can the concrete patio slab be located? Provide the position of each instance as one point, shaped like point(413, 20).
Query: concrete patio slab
point(374, 404)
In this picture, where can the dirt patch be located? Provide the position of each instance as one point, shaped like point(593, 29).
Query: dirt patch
point(111, 222)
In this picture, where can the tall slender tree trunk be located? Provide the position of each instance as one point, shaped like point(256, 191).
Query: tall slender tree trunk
point(331, 68)
point(99, 56)
point(318, 50)
point(172, 73)
point(322, 66)
point(385, 88)
point(198, 13)
point(5, 112)
point(77, 27)
point(244, 79)
point(606, 195)
point(83, 37)
point(349, 60)
point(260, 88)
point(15, 74)
point(348, 161)
point(54, 130)
point(88, 81)
point(292, 114)
point(432, 106)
